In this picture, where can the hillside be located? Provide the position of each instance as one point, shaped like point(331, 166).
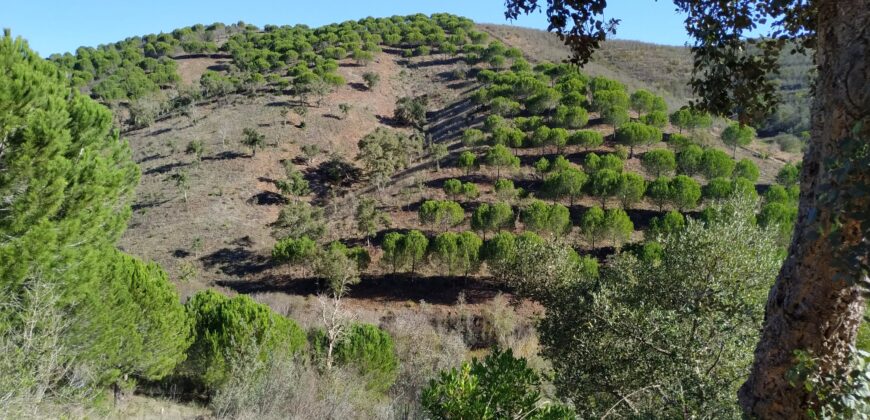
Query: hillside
point(346, 212)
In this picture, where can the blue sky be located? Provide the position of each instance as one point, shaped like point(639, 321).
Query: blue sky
point(64, 25)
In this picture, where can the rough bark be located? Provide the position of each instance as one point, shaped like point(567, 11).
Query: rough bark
point(811, 307)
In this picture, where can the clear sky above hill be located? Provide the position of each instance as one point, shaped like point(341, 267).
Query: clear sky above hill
point(61, 26)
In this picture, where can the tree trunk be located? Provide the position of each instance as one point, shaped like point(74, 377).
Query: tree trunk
point(815, 305)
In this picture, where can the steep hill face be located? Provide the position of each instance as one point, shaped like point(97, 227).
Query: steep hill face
point(208, 202)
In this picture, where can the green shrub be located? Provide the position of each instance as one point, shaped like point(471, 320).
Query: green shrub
point(225, 327)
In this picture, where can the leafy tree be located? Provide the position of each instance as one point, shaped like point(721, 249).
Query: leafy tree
point(737, 134)
point(492, 218)
point(570, 116)
point(369, 218)
point(67, 181)
point(689, 159)
point(592, 225)
point(685, 192)
point(182, 182)
point(662, 349)
point(477, 390)
point(253, 139)
point(470, 190)
point(468, 247)
point(412, 249)
point(659, 191)
point(617, 227)
point(631, 189)
point(295, 185)
point(508, 136)
point(746, 169)
point(370, 350)
point(392, 250)
point(671, 222)
point(541, 217)
point(566, 183)
point(616, 116)
point(658, 119)
point(500, 157)
point(298, 219)
point(384, 152)
point(371, 79)
point(718, 189)
point(644, 102)
point(411, 111)
point(445, 251)
point(604, 99)
point(472, 137)
point(438, 151)
point(295, 251)
point(659, 162)
point(444, 214)
point(586, 138)
point(788, 175)
point(224, 326)
point(505, 190)
point(504, 106)
point(716, 163)
point(542, 166)
point(467, 161)
point(779, 216)
point(453, 188)
point(499, 249)
point(634, 134)
point(363, 57)
point(604, 184)
point(686, 118)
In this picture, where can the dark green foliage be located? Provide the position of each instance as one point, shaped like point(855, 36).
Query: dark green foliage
point(658, 119)
point(716, 163)
point(570, 116)
point(594, 342)
point(225, 328)
point(746, 169)
point(441, 214)
point(718, 189)
point(604, 184)
point(631, 189)
point(617, 227)
point(659, 162)
point(502, 158)
point(370, 350)
point(492, 217)
point(635, 134)
point(411, 111)
point(67, 180)
point(586, 138)
point(541, 217)
point(499, 387)
point(592, 225)
point(689, 159)
point(565, 183)
point(737, 135)
point(669, 223)
point(295, 251)
point(685, 192)
point(659, 191)
point(385, 151)
point(788, 175)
